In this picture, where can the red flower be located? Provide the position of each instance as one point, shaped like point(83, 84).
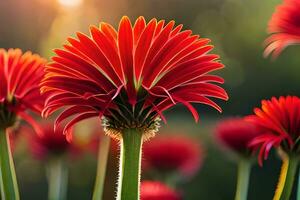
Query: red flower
point(284, 27)
point(20, 75)
point(236, 134)
point(279, 120)
point(49, 143)
point(132, 75)
point(153, 190)
point(178, 154)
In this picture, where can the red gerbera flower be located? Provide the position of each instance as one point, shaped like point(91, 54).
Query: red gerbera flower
point(20, 75)
point(279, 119)
point(171, 154)
point(153, 190)
point(236, 134)
point(49, 143)
point(132, 75)
point(284, 27)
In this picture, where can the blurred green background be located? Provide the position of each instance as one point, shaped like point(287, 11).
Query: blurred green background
point(237, 28)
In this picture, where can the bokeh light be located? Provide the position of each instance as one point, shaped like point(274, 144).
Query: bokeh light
point(70, 3)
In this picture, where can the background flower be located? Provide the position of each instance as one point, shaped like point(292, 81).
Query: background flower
point(284, 27)
point(20, 75)
point(173, 154)
point(279, 120)
point(236, 135)
point(153, 190)
point(49, 143)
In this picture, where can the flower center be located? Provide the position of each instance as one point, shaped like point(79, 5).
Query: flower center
point(7, 116)
point(148, 130)
point(123, 115)
point(295, 18)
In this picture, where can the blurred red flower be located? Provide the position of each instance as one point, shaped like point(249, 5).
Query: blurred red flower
point(153, 190)
point(49, 144)
point(279, 120)
point(132, 75)
point(284, 27)
point(20, 75)
point(236, 134)
point(176, 153)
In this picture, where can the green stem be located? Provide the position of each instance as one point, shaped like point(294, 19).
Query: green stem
point(130, 165)
point(9, 187)
point(101, 167)
point(298, 187)
point(57, 179)
point(286, 179)
point(244, 169)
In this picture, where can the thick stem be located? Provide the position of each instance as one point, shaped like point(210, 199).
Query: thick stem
point(9, 187)
point(101, 167)
point(57, 179)
point(286, 179)
point(130, 165)
point(244, 169)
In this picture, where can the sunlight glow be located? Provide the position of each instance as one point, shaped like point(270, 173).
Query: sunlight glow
point(70, 3)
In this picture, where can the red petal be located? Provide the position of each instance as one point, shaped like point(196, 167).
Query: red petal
point(142, 49)
point(125, 41)
point(77, 119)
point(31, 121)
point(109, 51)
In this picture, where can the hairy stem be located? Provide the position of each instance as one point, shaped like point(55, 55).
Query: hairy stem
point(101, 167)
point(286, 179)
point(9, 186)
point(130, 165)
point(244, 169)
point(57, 179)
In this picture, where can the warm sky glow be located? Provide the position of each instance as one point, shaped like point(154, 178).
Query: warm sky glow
point(70, 3)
